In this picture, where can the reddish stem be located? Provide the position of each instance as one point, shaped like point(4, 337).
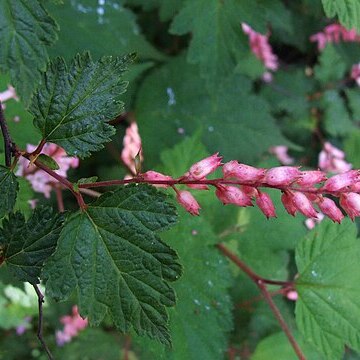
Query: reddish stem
point(39, 148)
point(59, 198)
point(261, 284)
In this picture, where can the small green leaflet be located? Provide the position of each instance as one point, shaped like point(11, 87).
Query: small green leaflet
point(73, 104)
point(23, 50)
point(26, 245)
point(111, 255)
point(328, 309)
point(48, 161)
point(348, 12)
point(8, 190)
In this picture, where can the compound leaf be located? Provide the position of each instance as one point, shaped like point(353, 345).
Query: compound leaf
point(111, 255)
point(73, 103)
point(25, 30)
point(328, 309)
point(8, 190)
point(24, 246)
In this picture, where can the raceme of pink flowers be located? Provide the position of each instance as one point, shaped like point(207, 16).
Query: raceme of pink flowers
point(308, 192)
point(334, 33)
point(261, 48)
point(132, 146)
point(40, 180)
point(332, 159)
point(73, 324)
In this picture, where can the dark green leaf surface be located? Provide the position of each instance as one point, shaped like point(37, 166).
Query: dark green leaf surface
point(233, 120)
point(111, 255)
point(26, 245)
point(328, 309)
point(25, 30)
point(74, 103)
point(8, 190)
point(347, 11)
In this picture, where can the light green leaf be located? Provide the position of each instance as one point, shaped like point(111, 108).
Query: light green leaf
point(348, 12)
point(352, 148)
point(24, 246)
point(201, 322)
point(73, 104)
point(48, 161)
point(8, 190)
point(111, 255)
point(353, 96)
point(25, 194)
point(25, 30)
point(217, 40)
point(328, 308)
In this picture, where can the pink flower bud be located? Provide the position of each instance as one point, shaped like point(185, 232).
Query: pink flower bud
point(264, 202)
point(188, 202)
point(156, 176)
point(310, 178)
point(250, 191)
point(340, 181)
point(292, 295)
point(289, 206)
point(350, 202)
point(282, 175)
point(206, 166)
point(303, 204)
point(232, 195)
point(242, 172)
point(329, 208)
point(310, 223)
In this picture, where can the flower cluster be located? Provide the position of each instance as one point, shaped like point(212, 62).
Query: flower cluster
point(262, 50)
point(8, 94)
point(332, 159)
point(40, 180)
point(334, 33)
point(72, 325)
point(305, 192)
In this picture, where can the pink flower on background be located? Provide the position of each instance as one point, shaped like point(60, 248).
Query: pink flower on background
point(72, 325)
point(355, 73)
point(261, 48)
point(188, 202)
point(25, 325)
point(310, 223)
point(292, 295)
point(40, 180)
point(334, 33)
point(281, 153)
point(132, 146)
point(332, 159)
point(8, 94)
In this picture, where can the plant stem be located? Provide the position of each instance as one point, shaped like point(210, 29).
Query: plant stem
point(8, 144)
point(40, 322)
point(261, 284)
point(59, 198)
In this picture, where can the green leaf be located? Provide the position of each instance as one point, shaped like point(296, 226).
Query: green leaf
point(8, 190)
point(348, 12)
point(352, 148)
point(48, 161)
point(25, 194)
point(217, 38)
point(201, 322)
point(336, 117)
point(26, 245)
point(328, 308)
point(111, 255)
point(234, 121)
point(332, 66)
point(73, 104)
point(353, 96)
point(25, 30)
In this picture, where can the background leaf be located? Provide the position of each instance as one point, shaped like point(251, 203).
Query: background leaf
point(8, 190)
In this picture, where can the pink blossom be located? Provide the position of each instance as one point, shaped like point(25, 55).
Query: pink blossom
point(264, 202)
point(350, 202)
point(281, 152)
point(340, 181)
point(40, 180)
point(287, 201)
point(261, 48)
point(303, 204)
point(132, 146)
point(8, 94)
point(355, 73)
point(292, 295)
point(242, 172)
point(232, 195)
point(205, 167)
point(310, 178)
point(310, 223)
point(153, 175)
point(73, 324)
point(329, 208)
point(334, 33)
point(188, 202)
point(282, 175)
point(25, 325)
point(332, 159)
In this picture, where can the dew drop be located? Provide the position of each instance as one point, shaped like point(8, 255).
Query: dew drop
point(171, 95)
point(181, 131)
point(314, 273)
point(210, 128)
point(197, 302)
point(210, 283)
point(207, 307)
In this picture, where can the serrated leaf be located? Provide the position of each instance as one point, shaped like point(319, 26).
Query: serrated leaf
point(25, 194)
point(233, 120)
point(48, 161)
point(26, 245)
point(111, 255)
point(353, 96)
point(328, 308)
point(73, 103)
point(201, 322)
point(25, 30)
point(352, 148)
point(8, 190)
point(348, 12)
point(217, 38)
